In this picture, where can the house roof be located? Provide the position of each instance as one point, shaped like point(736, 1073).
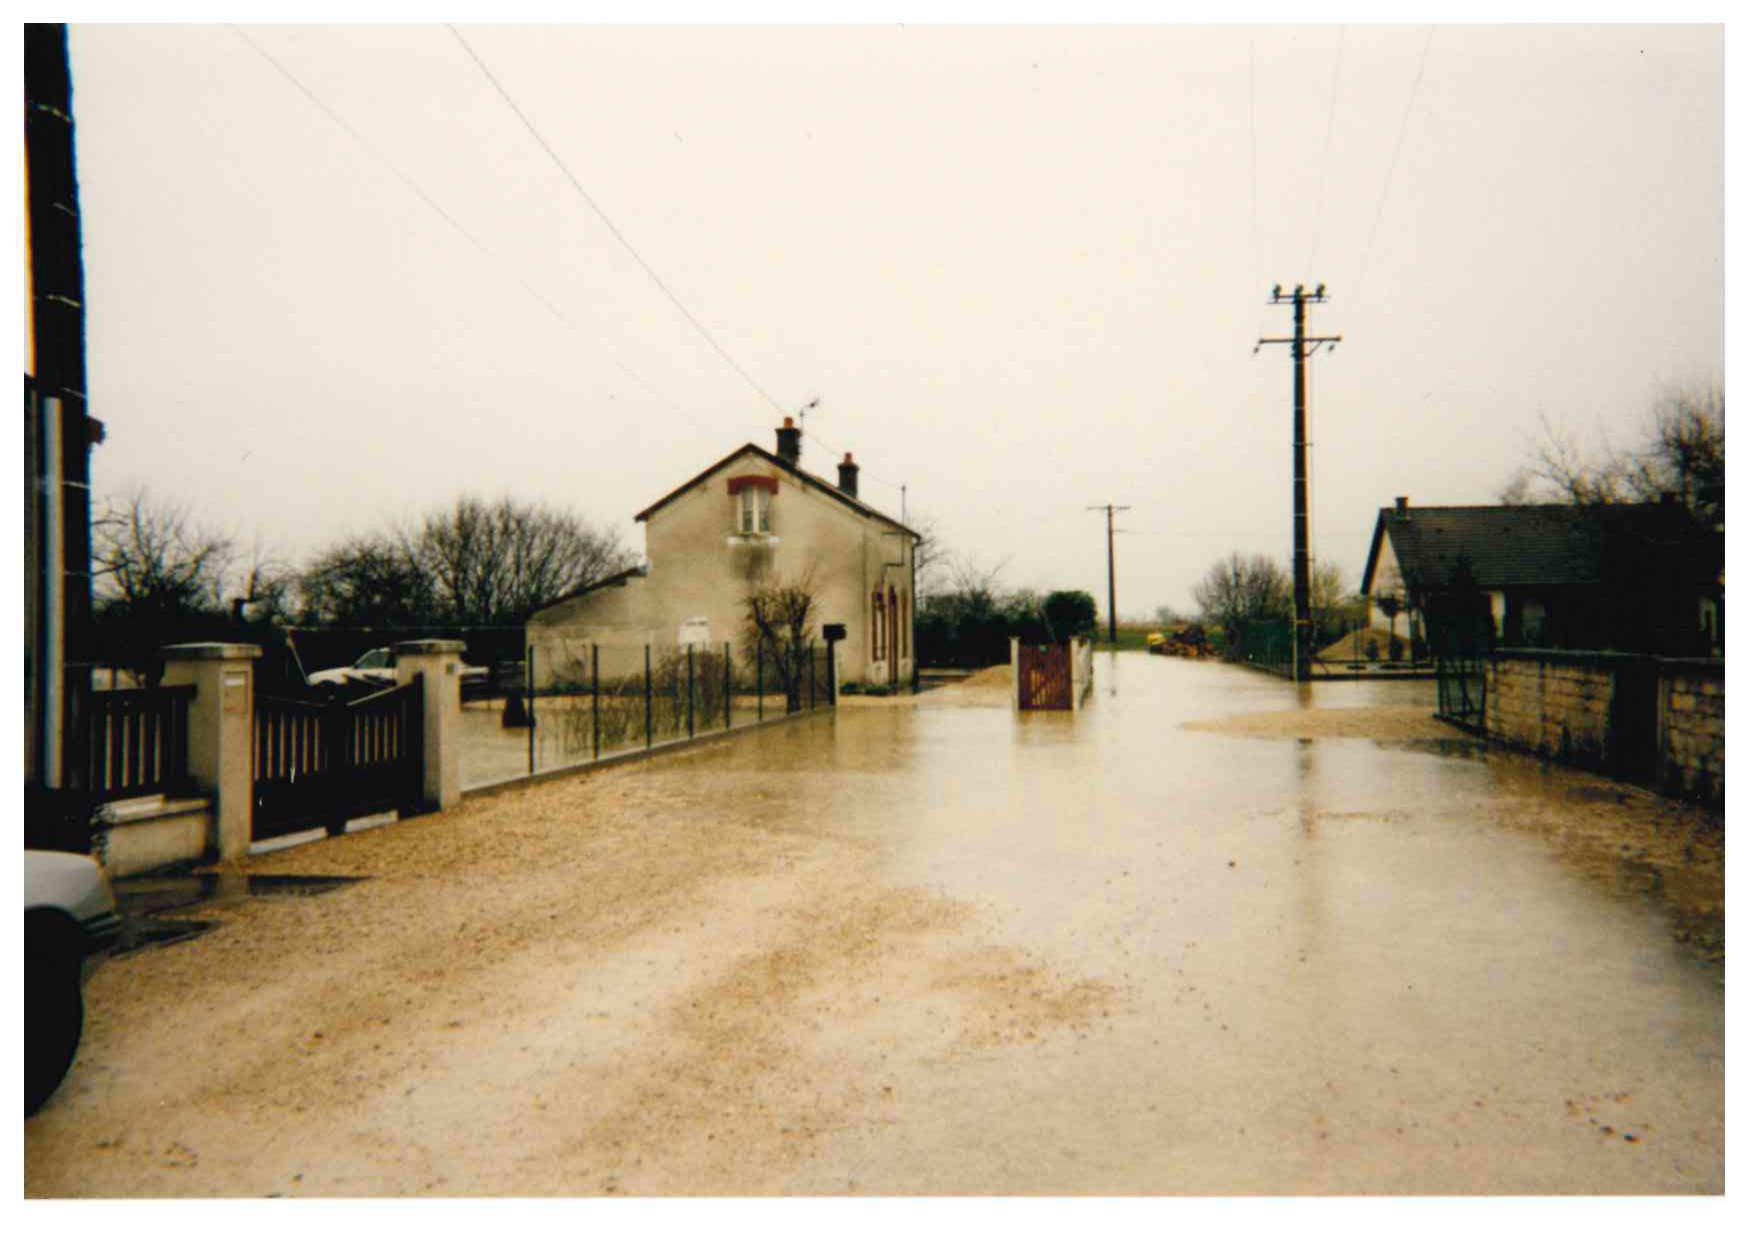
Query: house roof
point(1516, 545)
point(614, 579)
point(801, 475)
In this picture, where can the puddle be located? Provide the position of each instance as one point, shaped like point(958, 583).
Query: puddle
point(145, 900)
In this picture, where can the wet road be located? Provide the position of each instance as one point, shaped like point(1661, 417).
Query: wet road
point(933, 947)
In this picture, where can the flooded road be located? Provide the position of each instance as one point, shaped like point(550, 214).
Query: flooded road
point(929, 946)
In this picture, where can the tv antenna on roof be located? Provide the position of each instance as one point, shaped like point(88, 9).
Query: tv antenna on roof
point(801, 413)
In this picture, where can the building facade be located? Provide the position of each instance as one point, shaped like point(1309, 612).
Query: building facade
point(754, 518)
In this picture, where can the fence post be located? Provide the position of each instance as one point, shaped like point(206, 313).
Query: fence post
point(727, 686)
point(812, 680)
point(595, 695)
point(437, 661)
point(648, 702)
point(759, 681)
point(221, 733)
point(690, 731)
point(532, 726)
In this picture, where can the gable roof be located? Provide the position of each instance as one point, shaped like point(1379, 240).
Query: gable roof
point(799, 474)
point(1516, 545)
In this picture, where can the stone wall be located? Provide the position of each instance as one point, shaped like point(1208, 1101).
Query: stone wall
point(1554, 704)
point(1572, 707)
point(1690, 728)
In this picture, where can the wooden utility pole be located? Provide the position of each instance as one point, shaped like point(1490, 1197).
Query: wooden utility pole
point(1110, 511)
point(1301, 507)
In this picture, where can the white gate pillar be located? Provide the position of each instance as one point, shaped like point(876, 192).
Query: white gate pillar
point(439, 661)
point(221, 734)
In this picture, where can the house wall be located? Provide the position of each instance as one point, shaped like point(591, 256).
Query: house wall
point(699, 566)
point(1386, 580)
point(1573, 707)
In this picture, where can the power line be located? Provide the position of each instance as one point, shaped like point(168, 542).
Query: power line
point(1389, 176)
point(406, 180)
point(611, 226)
point(1328, 140)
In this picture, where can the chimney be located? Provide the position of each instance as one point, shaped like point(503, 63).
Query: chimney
point(789, 442)
point(1402, 506)
point(847, 471)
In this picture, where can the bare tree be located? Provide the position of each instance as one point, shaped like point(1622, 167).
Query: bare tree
point(1328, 602)
point(1241, 590)
point(148, 555)
point(928, 553)
point(371, 580)
point(779, 627)
point(1682, 455)
point(492, 563)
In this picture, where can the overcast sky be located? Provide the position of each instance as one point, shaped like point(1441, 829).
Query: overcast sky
point(1023, 269)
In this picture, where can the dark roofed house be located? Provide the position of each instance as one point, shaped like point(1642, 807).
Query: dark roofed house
point(1646, 578)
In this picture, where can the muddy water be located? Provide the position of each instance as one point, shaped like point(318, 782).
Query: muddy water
point(1332, 966)
point(924, 946)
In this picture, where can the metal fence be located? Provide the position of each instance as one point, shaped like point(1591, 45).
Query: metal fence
point(582, 701)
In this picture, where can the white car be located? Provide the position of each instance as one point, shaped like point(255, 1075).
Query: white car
point(70, 922)
point(372, 667)
point(377, 667)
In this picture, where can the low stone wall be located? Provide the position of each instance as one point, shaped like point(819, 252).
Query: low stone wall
point(1690, 728)
point(1576, 707)
point(1553, 703)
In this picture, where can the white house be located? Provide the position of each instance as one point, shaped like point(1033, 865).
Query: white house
point(752, 517)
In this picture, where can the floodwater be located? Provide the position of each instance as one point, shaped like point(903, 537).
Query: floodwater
point(1331, 965)
point(926, 946)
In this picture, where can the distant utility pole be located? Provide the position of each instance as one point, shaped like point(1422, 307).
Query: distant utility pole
point(1301, 518)
point(1111, 511)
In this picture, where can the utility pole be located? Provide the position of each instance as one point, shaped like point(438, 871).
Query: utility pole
point(1110, 511)
point(1301, 514)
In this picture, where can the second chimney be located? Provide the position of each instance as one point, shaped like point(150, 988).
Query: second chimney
point(847, 471)
point(1402, 506)
point(789, 442)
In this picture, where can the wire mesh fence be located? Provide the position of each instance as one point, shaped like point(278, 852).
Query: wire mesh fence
point(581, 701)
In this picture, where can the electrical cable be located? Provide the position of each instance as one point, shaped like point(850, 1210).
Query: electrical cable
point(611, 226)
point(437, 207)
point(1390, 174)
point(1328, 141)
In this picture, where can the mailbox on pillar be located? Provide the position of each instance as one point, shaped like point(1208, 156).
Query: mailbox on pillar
point(833, 633)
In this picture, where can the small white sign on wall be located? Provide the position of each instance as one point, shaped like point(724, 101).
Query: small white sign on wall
point(695, 632)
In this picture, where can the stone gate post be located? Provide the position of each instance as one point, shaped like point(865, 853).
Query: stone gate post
point(439, 661)
point(221, 734)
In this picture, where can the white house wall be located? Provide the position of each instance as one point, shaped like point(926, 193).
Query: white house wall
point(699, 566)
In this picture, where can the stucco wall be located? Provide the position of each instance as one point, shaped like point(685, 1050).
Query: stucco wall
point(700, 567)
point(1690, 732)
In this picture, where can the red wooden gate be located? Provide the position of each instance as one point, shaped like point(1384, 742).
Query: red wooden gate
point(1045, 678)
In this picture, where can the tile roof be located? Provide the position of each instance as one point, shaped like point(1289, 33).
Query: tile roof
point(1518, 545)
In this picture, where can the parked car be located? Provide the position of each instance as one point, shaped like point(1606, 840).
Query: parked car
point(70, 922)
point(378, 667)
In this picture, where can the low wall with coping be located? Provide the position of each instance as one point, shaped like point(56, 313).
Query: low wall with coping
point(1580, 708)
point(1690, 728)
point(154, 833)
point(1554, 703)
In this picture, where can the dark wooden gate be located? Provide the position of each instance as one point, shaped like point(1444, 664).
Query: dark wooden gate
point(320, 764)
point(1046, 678)
point(1633, 720)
